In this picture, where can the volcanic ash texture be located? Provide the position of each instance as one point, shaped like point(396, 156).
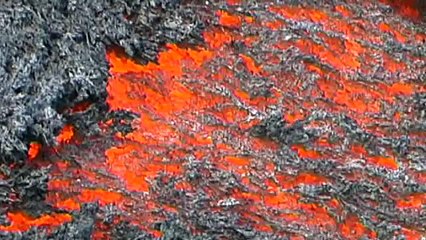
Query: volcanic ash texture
point(52, 56)
point(292, 120)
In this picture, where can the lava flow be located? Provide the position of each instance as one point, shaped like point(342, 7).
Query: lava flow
point(296, 121)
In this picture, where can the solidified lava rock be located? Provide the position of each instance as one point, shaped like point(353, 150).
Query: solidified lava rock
point(52, 56)
point(294, 119)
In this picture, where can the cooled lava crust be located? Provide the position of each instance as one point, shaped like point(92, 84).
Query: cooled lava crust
point(213, 120)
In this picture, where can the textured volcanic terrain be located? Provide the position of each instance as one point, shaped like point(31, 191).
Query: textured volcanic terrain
point(53, 57)
point(226, 120)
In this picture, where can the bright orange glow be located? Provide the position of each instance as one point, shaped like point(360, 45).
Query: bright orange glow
point(343, 10)
point(104, 197)
point(239, 161)
point(66, 134)
point(309, 179)
point(387, 162)
point(354, 228)
point(225, 19)
point(68, 204)
point(250, 64)
point(58, 184)
point(34, 150)
point(411, 234)
point(22, 222)
point(413, 201)
point(234, 2)
point(306, 153)
point(275, 25)
point(196, 106)
point(218, 38)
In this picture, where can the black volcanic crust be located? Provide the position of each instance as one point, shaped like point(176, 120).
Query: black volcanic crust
point(52, 56)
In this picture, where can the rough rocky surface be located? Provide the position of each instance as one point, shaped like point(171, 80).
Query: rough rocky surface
point(270, 120)
point(52, 56)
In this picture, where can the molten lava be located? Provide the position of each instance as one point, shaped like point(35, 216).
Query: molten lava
point(326, 166)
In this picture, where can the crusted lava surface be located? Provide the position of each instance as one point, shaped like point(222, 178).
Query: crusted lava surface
point(214, 120)
point(52, 57)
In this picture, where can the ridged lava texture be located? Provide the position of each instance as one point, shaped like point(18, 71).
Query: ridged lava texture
point(277, 120)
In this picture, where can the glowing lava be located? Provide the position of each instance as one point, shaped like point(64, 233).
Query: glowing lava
point(197, 107)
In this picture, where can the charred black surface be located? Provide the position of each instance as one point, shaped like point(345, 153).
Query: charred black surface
point(52, 56)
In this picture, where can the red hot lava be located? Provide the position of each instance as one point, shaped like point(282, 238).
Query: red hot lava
point(196, 106)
